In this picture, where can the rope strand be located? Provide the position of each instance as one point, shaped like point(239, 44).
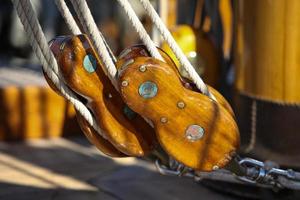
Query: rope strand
point(72, 25)
point(90, 27)
point(175, 48)
point(68, 17)
point(138, 26)
point(40, 46)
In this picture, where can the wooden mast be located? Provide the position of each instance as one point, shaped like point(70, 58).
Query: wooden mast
point(268, 50)
point(267, 59)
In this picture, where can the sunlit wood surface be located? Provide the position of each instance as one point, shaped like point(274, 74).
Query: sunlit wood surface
point(171, 121)
point(132, 137)
point(267, 49)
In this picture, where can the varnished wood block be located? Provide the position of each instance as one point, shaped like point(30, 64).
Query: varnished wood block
point(102, 144)
point(128, 55)
point(95, 138)
point(192, 128)
point(82, 72)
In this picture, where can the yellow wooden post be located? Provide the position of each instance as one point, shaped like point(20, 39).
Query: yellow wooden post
point(267, 60)
point(268, 50)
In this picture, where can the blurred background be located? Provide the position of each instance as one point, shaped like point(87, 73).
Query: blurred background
point(246, 49)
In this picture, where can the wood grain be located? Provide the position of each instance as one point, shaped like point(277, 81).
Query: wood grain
point(133, 137)
point(101, 143)
point(221, 136)
point(141, 51)
point(267, 51)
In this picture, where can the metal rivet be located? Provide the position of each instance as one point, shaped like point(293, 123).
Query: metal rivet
point(189, 137)
point(124, 83)
point(163, 120)
point(215, 167)
point(180, 104)
point(89, 63)
point(194, 132)
point(148, 90)
point(143, 68)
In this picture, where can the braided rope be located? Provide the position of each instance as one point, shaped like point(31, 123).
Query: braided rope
point(175, 48)
point(138, 26)
point(90, 27)
point(72, 25)
point(39, 44)
point(253, 120)
point(68, 17)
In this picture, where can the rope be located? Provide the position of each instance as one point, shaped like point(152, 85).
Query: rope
point(175, 48)
point(253, 119)
point(72, 25)
point(43, 52)
point(136, 23)
point(90, 27)
point(39, 44)
point(68, 17)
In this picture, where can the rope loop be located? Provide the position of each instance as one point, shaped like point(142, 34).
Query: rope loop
point(40, 46)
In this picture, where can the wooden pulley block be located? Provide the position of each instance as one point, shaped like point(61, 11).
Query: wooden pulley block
point(192, 128)
point(128, 55)
point(140, 50)
point(82, 72)
point(102, 144)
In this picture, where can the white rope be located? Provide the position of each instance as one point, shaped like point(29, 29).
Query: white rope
point(94, 36)
point(72, 25)
point(39, 44)
point(136, 23)
point(90, 27)
point(68, 17)
point(175, 48)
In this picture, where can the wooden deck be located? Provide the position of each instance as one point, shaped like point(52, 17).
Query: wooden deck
point(73, 169)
